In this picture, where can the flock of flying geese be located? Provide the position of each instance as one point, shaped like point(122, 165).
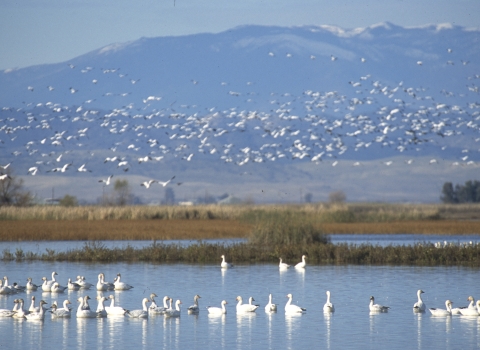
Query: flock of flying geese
point(167, 309)
point(315, 126)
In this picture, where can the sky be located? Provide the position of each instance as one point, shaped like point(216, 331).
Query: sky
point(36, 32)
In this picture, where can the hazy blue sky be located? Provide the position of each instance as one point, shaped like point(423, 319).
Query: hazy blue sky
point(47, 31)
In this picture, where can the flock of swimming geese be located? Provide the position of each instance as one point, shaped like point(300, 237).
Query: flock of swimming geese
point(85, 311)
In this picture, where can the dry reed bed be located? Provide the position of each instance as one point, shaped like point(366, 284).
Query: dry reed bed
point(66, 230)
point(351, 212)
point(422, 255)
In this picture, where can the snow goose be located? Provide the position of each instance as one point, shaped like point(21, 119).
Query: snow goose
point(20, 311)
point(471, 311)
point(82, 312)
point(83, 283)
point(63, 312)
point(283, 265)
point(419, 306)
point(174, 312)
point(101, 312)
point(458, 310)
point(140, 313)
point(72, 285)
point(442, 312)
point(270, 307)
point(4, 290)
point(194, 309)
point(30, 285)
point(158, 310)
point(47, 284)
point(328, 307)
point(57, 288)
point(291, 308)
point(9, 313)
point(32, 307)
point(376, 307)
point(214, 310)
point(113, 310)
point(102, 285)
point(241, 308)
point(37, 316)
point(224, 264)
point(121, 285)
point(302, 264)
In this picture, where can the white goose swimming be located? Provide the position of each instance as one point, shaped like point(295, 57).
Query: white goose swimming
point(57, 288)
point(328, 307)
point(30, 285)
point(140, 313)
point(471, 312)
point(224, 264)
point(102, 285)
point(37, 316)
point(9, 313)
point(213, 310)
point(174, 312)
point(83, 283)
point(241, 308)
point(194, 309)
point(101, 312)
point(442, 312)
point(283, 265)
point(121, 285)
point(158, 310)
point(82, 312)
point(47, 284)
point(32, 307)
point(72, 285)
point(5, 290)
point(20, 312)
point(291, 308)
point(419, 306)
point(302, 264)
point(63, 312)
point(270, 307)
point(113, 310)
point(458, 310)
point(376, 307)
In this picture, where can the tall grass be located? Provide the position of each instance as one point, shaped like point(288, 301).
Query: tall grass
point(351, 212)
point(287, 227)
point(242, 253)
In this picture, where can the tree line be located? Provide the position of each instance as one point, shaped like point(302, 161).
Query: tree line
point(468, 193)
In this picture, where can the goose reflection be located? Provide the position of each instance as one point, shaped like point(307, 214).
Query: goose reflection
point(418, 320)
point(328, 316)
point(292, 324)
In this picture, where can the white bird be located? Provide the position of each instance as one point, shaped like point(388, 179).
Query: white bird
point(20, 312)
point(63, 312)
point(83, 283)
point(158, 310)
point(33, 170)
point(47, 284)
point(106, 181)
point(72, 285)
point(121, 285)
point(147, 184)
point(291, 308)
point(82, 169)
point(4, 177)
point(214, 310)
point(442, 312)
point(113, 310)
point(419, 306)
point(9, 313)
point(224, 264)
point(458, 310)
point(5, 289)
point(301, 264)
point(57, 288)
point(283, 265)
point(270, 307)
point(194, 309)
point(174, 312)
point(32, 307)
point(101, 312)
point(166, 182)
point(140, 313)
point(102, 285)
point(328, 307)
point(471, 311)
point(376, 307)
point(82, 312)
point(39, 315)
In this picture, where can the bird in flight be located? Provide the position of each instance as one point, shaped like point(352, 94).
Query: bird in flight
point(107, 180)
point(147, 183)
point(166, 182)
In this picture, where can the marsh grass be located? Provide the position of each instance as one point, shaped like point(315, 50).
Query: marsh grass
point(242, 253)
point(351, 212)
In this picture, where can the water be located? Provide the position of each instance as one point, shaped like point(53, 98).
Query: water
point(375, 239)
point(351, 326)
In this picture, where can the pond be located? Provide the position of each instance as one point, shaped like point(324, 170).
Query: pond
point(351, 326)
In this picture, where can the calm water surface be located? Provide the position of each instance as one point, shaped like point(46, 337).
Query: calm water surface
point(351, 326)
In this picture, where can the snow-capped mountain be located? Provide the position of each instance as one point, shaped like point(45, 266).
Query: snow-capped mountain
point(258, 111)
